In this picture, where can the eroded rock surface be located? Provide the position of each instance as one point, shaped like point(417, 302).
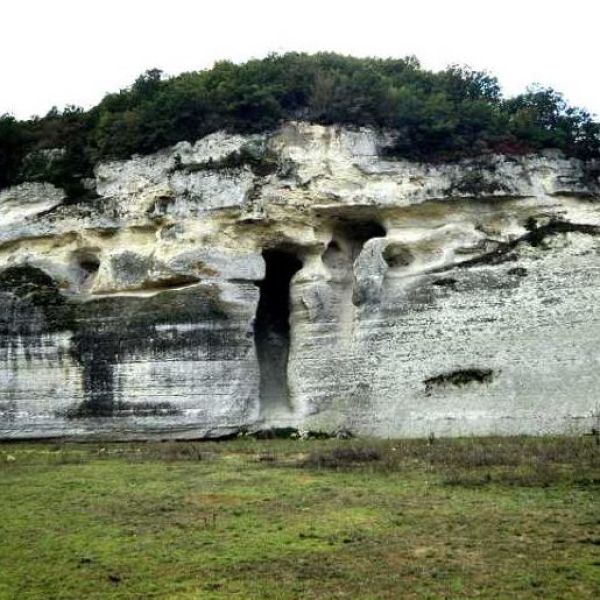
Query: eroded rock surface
point(303, 279)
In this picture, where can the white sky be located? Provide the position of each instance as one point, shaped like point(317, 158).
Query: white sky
point(58, 52)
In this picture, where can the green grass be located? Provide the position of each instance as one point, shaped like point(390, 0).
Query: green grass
point(488, 518)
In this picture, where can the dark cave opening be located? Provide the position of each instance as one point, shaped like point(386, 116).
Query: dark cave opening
point(361, 231)
point(88, 265)
point(358, 233)
point(272, 329)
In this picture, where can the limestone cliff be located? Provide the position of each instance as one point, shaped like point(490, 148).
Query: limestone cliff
point(302, 278)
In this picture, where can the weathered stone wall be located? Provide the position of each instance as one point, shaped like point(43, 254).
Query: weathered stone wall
point(449, 299)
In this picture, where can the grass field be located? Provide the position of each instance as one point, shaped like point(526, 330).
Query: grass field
point(486, 518)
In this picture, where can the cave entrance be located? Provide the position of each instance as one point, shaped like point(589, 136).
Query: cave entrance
point(272, 330)
point(358, 233)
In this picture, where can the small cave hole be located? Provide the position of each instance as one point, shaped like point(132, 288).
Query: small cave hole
point(272, 329)
point(88, 265)
point(349, 237)
point(358, 233)
point(397, 256)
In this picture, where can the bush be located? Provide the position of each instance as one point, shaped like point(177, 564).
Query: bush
point(446, 115)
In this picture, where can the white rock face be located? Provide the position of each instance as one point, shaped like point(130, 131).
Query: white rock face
point(28, 200)
point(302, 278)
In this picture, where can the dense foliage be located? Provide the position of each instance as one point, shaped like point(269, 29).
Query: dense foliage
point(445, 115)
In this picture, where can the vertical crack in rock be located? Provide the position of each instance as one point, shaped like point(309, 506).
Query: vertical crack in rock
point(272, 330)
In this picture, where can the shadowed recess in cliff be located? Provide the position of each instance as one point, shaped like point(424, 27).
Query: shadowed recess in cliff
point(31, 305)
point(272, 329)
point(358, 233)
point(349, 237)
point(347, 242)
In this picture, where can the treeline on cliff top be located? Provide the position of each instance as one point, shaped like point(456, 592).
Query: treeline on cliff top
point(436, 116)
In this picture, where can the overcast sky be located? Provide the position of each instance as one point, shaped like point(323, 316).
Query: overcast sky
point(58, 52)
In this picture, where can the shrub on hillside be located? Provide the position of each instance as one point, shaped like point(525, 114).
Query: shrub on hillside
point(446, 115)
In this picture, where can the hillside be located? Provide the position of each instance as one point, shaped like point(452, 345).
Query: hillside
point(435, 116)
